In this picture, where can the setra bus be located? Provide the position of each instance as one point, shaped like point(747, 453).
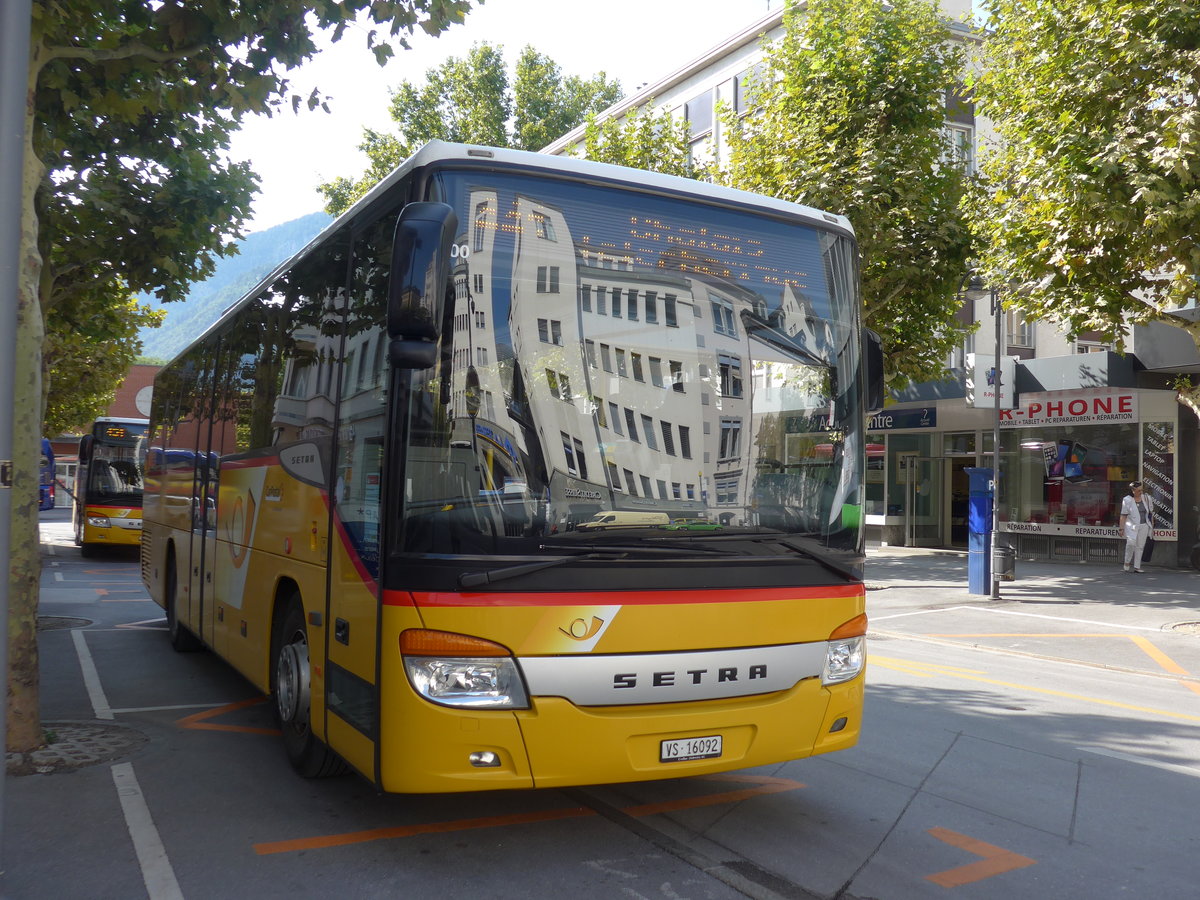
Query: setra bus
point(366, 481)
point(107, 509)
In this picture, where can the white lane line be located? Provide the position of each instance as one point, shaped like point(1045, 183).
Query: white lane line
point(58, 576)
point(1027, 615)
point(157, 873)
point(91, 678)
point(1142, 761)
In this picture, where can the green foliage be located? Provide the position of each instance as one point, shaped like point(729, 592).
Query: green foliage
point(88, 351)
point(642, 139)
point(1094, 204)
point(471, 100)
point(848, 117)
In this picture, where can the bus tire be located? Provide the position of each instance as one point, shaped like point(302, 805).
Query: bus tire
point(291, 689)
point(88, 551)
point(181, 638)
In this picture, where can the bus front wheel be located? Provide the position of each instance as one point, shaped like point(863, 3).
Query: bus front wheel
point(292, 689)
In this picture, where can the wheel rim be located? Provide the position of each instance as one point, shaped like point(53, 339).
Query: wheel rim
point(292, 683)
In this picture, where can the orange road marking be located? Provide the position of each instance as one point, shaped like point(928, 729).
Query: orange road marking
point(766, 784)
point(996, 860)
point(376, 834)
point(1158, 656)
point(199, 722)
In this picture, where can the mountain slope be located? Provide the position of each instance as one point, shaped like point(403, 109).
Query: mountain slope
point(234, 276)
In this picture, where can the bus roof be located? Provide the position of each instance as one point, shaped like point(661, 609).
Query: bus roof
point(516, 160)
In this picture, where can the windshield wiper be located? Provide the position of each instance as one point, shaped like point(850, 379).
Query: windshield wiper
point(609, 552)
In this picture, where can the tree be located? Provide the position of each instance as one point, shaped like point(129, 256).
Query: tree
point(88, 351)
point(642, 139)
point(472, 101)
point(1094, 201)
point(130, 106)
point(848, 116)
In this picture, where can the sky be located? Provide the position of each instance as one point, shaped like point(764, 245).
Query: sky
point(633, 41)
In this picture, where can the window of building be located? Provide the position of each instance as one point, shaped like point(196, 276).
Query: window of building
point(669, 309)
point(699, 114)
point(960, 146)
point(589, 349)
point(656, 374)
point(601, 303)
point(1019, 331)
point(630, 483)
point(481, 224)
point(615, 417)
point(646, 491)
point(731, 375)
point(547, 279)
point(662, 489)
point(605, 358)
point(648, 431)
point(569, 452)
point(630, 424)
point(631, 308)
point(668, 438)
point(722, 311)
point(652, 307)
point(616, 303)
point(543, 227)
point(585, 297)
point(677, 375)
point(731, 438)
point(685, 442)
point(622, 371)
point(636, 359)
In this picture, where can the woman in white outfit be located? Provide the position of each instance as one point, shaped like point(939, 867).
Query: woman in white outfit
point(1135, 525)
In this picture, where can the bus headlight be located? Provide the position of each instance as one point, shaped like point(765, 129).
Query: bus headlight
point(462, 671)
point(846, 651)
point(98, 521)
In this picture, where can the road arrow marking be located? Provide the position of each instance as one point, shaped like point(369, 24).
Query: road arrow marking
point(995, 861)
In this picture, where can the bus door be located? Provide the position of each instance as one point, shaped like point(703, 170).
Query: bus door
point(203, 515)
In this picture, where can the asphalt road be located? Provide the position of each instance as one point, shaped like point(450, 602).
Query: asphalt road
point(1045, 745)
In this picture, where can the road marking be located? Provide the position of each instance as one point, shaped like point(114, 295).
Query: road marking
point(160, 624)
point(199, 721)
point(1143, 761)
point(996, 860)
point(58, 576)
point(142, 709)
point(91, 677)
point(766, 784)
point(1013, 612)
point(902, 665)
point(157, 873)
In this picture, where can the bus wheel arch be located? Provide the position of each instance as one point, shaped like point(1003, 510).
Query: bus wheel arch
point(291, 689)
point(182, 639)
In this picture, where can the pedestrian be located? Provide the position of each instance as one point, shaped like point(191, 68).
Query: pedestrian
point(1135, 525)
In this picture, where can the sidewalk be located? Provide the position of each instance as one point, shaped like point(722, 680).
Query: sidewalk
point(1161, 598)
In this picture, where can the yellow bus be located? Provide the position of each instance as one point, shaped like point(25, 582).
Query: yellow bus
point(107, 510)
point(365, 480)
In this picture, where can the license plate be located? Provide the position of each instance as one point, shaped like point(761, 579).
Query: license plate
point(682, 749)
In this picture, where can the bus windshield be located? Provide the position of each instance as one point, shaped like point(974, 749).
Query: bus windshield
point(622, 366)
point(114, 475)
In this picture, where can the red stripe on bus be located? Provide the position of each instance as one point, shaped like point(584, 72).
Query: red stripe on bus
point(624, 598)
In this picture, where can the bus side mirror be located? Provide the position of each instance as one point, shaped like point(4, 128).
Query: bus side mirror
point(85, 449)
point(417, 287)
point(873, 348)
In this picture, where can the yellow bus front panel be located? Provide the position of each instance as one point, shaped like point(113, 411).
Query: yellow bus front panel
point(588, 735)
point(111, 526)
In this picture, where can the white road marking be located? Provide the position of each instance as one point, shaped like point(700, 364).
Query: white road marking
point(1013, 612)
point(91, 678)
point(157, 873)
point(1142, 761)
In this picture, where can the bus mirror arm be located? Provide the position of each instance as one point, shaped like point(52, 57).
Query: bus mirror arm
point(421, 250)
point(873, 347)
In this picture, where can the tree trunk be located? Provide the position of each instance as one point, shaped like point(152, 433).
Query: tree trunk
point(24, 576)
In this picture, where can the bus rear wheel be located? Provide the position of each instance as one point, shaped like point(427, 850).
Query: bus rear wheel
point(291, 685)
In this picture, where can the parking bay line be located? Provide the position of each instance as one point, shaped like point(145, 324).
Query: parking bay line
point(157, 873)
